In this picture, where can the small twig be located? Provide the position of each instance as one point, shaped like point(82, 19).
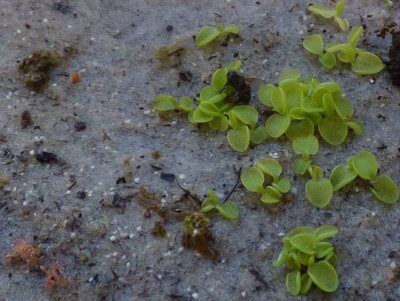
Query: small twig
point(259, 277)
point(234, 187)
point(73, 184)
point(188, 193)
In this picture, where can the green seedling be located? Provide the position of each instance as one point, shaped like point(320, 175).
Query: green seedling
point(362, 62)
point(228, 209)
point(301, 104)
point(215, 107)
point(312, 260)
point(255, 180)
point(329, 12)
point(365, 166)
point(318, 190)
point(164, 102)
point(209, 34)
point(389, 3)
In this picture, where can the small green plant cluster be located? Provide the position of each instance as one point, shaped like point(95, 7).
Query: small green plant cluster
point(312, 260)
point(217, 109)
point(208, 34)
point(264, 178)
point(301, 104)
point(329, 12)
point(228, 209)
point(362, 62)
point(365, 166)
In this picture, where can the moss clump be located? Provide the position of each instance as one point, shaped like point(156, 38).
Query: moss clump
point(36, 68)
point(196, 235)
point(159, 230)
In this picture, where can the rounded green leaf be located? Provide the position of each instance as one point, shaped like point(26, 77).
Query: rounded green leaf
point(319, 193)
point(270, 166)
point(278, 100)
point(258, 135)
point(305, 145)
point(219, 79)
point(324, 276)
point(323, 249)
point(325, 232)
point(304, 243)
point(300, 166)
point(342, 175)
point(219, 123)
point(304, 258)
point(164, 102)
point(293, 282)
point(333, 130)
point(347, 53)
point(271, 196)
point(208, 204)
point(283, 185)
point(327, 103)
point(343, 23)
point(367, 63)
point(354, 35)
point(206, 35)
point(385, 189)
point(339, 8)
point(208, 93)
point(200, 117)
point(228, 210)
point(343, 107)
point(289, 74)
point(232, 28)
point(234, 66)
point(331, 259)
point(277, 125)
point(322, 10)
point(210, 109)
point(300, 230)
point(314, 44)
point(252, 178)
point(246, 114)
point(356, 125)
point(365, 164)
point(265, 94)
point(293, 261)
point(328, 60)
point(186, 103)
point(306, 283)
point(297, 128)
point(239, 138)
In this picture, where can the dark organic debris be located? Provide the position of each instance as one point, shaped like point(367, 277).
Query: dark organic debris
point(46, 157)
point(26, 119)
point(394, 55)
point(36, 68)
point(119, 202)
point(120, 180)
point(79, 126)
point(167, 177)
point(242, 94)
point(196, 235)
point(159, 230)
point(81, 195)
point(185, 76)
point(61, 6)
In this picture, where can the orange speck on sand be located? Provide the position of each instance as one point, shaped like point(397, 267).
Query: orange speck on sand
point(75, 78)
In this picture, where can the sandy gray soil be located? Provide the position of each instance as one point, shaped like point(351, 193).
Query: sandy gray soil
point(105, 240)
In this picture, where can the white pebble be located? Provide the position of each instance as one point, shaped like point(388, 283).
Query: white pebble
point(131, 235)
point(73, 235)
point(128, 121)
point(137, 180)
point(31, 152)
point(123, 235)
point(371, 80)
point(113, 238)
point(195, 296)
point(139, 228)
point(243, 294)
point(25, 203)
point(182, 176)
point(281, 234)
